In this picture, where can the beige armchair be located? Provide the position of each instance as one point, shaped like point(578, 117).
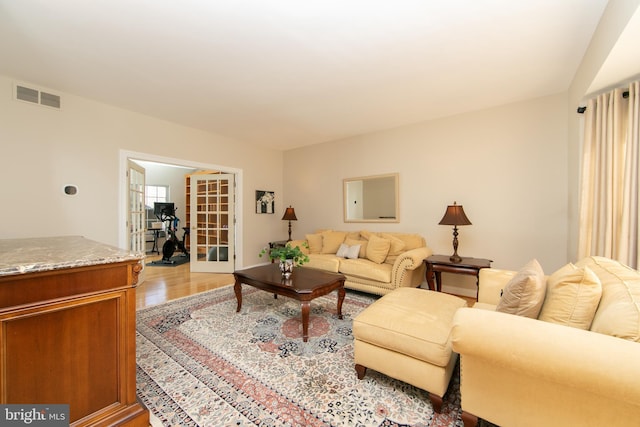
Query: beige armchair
point(519, 371)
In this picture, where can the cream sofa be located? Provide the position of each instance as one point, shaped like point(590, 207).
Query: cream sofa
point(376, 263)
point(577, 364)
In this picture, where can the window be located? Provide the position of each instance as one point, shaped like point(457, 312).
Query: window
point(155, 193)
point(152, 194)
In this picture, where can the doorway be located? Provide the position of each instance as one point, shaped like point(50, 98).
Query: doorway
point(126, 156)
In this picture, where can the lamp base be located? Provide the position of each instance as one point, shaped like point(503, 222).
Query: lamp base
point(455, 258)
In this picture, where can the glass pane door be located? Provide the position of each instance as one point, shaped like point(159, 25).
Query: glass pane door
point(137, 226)
point(212, 223)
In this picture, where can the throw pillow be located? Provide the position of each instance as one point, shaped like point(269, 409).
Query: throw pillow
point(377, 249)
point(315, 243)
point(331, 241)
point(362, 244)
point(353, 252)
point(411, 241)
point(524, 293)
point(353, 235)
point(342, 251)
point(365, 234)
point(346, 251)
point(397, 245)
point(572, 298)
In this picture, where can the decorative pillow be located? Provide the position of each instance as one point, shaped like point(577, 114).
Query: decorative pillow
point(411, 241)
point(353, 235)
point(377, 249)
point(362, 244)
point(353, 252)
point(397, 245)
point(365, 234)
point(315, 243)
point(342, 251)
point(524, 294)
point(331, 241)
point(618, 313)
point(346, 251)
point(572, 298)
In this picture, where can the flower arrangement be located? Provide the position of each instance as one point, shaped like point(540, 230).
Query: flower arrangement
point(267, 198)
point(283, 253)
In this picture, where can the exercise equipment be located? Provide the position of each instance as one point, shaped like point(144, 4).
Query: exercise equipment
point(166, 212)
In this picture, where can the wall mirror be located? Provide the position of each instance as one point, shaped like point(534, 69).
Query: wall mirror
point(371, 198)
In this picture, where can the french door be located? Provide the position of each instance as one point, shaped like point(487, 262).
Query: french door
point(212, 219)
point(136, 213)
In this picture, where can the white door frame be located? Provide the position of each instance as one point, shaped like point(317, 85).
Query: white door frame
point(124, 192)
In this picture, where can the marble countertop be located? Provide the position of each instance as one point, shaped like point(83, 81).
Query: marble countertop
point(19, 256)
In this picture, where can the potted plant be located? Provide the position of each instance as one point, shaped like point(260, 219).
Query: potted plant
point(288, 256)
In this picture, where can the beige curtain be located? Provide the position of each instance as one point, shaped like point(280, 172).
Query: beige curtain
point(610, 173)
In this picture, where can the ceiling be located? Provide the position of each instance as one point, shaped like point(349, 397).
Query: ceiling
point(288, 73)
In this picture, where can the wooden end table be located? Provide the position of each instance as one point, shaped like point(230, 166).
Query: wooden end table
point(304, 285)
point(437, 264)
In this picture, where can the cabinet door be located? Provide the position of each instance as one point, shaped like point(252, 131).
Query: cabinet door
point(212, 221)
point(73, 351)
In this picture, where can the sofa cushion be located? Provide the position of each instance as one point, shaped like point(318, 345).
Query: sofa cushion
point(315, 243)
point(524, 294)
point(618, 313)
point(331, 241)
point(377, 249)
point(572, 297)
point(366, 269)
point(326, 262)
point(362, 243)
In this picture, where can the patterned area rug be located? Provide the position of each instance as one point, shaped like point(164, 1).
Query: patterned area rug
point(199, 363)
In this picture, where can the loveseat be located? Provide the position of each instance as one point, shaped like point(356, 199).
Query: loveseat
point(567, 353)
point(372, 262)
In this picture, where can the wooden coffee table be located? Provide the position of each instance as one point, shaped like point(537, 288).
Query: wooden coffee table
point(304, 285)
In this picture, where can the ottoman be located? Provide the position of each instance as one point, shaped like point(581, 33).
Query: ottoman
point(406, 335)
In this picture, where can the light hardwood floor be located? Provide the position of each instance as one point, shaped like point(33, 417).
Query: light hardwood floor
point(163, 284)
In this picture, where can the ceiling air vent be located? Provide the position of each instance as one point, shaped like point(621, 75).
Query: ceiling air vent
point(35, 96)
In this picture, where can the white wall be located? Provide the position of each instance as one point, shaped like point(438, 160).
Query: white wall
point(507, 166)
point(44, 149)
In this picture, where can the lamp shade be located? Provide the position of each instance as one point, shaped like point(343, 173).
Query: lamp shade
point(289, 214)
point(454, 215)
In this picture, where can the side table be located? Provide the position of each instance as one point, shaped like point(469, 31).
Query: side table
point(437, 264)
point(277, 244)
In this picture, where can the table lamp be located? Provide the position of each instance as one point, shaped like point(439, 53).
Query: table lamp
point(289, 215)
point(454, 215)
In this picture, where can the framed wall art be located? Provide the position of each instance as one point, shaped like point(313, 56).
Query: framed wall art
point(265, 202)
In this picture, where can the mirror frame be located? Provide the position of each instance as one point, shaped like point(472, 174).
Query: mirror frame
point(346, 202)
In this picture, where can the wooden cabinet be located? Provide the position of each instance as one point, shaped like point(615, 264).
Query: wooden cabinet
point(67, 336)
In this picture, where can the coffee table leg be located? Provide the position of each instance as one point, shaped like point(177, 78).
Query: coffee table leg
point(305, 320)
point(238, 290)
point(341, 294)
